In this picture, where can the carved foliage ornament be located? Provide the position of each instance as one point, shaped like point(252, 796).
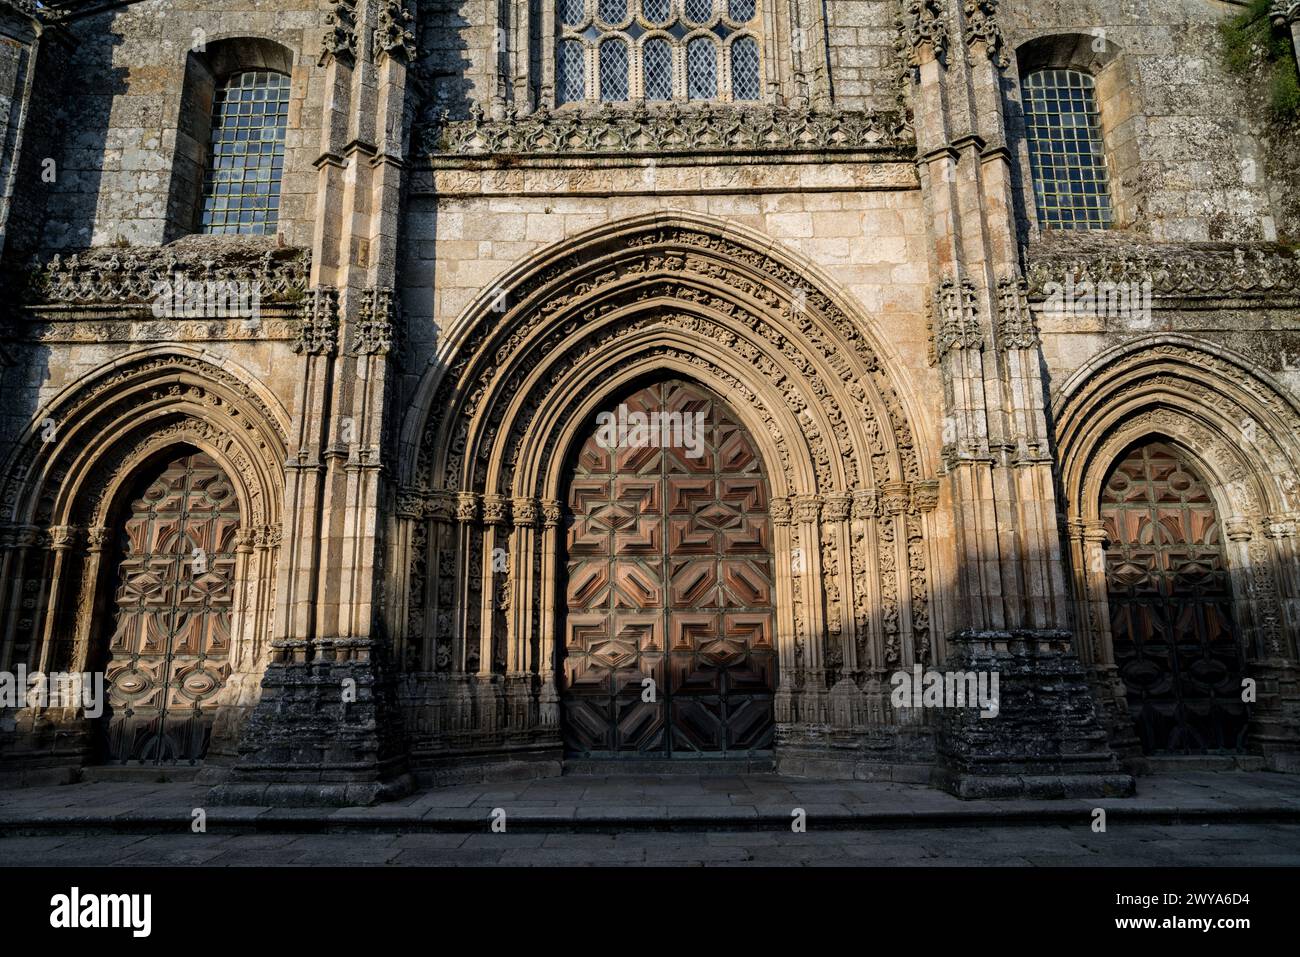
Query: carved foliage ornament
point(671, 130)
point(957, 323)
point(922, 23)
point(318, 329)
point(394, 35)
point(378, 320)
point(982, 28)
point(340, 39)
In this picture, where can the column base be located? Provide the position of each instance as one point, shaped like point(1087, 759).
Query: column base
point(326, 731)
point(1045, 741)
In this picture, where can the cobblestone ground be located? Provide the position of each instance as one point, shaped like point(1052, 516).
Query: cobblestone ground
point(1131, 845)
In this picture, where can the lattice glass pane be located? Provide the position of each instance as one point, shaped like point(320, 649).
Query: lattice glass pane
point(1071, 182)
point(701, 69)
point(744, 69)
point(613, 11)
point(571, 12)
point(699, 11)
point(613, 71)
point(657, 59)
point(571, 73)
point(656, 11)
point(741, 11)
point(241, 188)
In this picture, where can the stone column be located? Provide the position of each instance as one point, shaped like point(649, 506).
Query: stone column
point(1012, 613)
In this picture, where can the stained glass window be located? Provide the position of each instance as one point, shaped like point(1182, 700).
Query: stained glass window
point(1071, 181)
point(241, 190)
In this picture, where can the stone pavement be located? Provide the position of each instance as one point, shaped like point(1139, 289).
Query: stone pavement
point(1219, 818)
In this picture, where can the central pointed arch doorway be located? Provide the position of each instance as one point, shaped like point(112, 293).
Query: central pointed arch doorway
point(668, 643)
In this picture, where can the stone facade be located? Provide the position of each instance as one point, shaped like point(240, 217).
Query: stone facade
point(465, 267)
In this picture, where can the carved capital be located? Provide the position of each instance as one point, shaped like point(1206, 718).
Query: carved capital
point(63, 537)
point(896, 496)
point(551, 512)
point(1238, 530)
point(780, 511)
point(807, 508)
point(496, 510)
point(410, 503)
point(866, 503)
point(525, 511)
point(466, 506)
point(838, 507)
point(441, 506)
point(925, 495)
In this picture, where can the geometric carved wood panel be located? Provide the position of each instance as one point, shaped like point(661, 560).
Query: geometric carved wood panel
point(169, 648)
point(669, 577)
point(1176, 642)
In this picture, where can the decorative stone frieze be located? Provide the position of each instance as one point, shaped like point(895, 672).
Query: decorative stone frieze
point(1175, 270)
point(670, 130)
point(136, 275)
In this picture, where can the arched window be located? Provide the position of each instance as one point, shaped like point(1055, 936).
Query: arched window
point(657, 51)
point(1071, 181)
point(241, 187)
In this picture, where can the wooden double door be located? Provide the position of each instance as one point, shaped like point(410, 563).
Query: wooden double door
point(669, 625)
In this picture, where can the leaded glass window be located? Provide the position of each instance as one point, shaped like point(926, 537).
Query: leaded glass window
point(657, 58)
point(571, 75)
point(1071, 181)
point(741, 11)
point(744, 69)
point(656, 11)
point(613, 71)
point(701, 69)
point(241, 189)
point(658, 51)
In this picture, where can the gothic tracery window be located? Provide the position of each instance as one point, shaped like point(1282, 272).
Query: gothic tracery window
point(658, 51)
point(1071, 181)
point(241, 187)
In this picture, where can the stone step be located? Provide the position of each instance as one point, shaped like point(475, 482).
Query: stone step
point(639, 767)
point(1166, 763)
point(139, 773)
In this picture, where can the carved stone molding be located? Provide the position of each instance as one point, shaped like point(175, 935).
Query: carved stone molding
point(319, 327)
point(642, 130)
point(1285, 12)
point(982, 30)
point(394, 36)
point(134, 275)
